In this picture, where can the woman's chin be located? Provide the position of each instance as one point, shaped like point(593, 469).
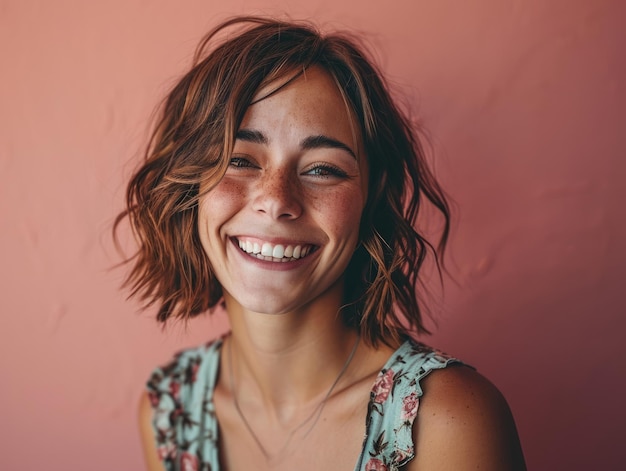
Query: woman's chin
point(262, 304)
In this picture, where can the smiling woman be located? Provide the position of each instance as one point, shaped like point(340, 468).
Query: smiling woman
point(283, 183)
point(294, 182)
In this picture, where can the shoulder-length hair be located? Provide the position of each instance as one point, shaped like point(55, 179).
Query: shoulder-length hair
point(190, 149)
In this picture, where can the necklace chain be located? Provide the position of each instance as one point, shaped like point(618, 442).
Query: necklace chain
point(317, 412)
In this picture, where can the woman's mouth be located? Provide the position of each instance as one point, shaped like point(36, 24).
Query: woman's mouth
point(275, 252)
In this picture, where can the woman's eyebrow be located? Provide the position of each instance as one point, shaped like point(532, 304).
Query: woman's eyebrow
point(251, 135)
point(321, 141)
point(312, 142)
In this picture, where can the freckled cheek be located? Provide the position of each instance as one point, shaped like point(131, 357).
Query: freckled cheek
point(341, 212)
point(221, 203)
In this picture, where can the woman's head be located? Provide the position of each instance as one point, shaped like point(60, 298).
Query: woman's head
point(282, 224)
point(191, 148)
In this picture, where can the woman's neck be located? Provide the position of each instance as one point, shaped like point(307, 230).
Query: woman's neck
point(284, 361)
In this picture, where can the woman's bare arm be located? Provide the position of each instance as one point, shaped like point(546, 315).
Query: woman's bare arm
point(153, 463)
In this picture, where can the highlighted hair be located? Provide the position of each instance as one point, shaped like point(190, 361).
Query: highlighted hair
point(190, 149)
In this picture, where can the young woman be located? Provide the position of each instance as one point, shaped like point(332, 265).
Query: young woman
point(283, 184)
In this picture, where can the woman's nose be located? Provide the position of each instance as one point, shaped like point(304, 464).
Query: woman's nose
point(278, 195)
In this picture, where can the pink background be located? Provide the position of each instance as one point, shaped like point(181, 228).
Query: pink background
point(525, 103)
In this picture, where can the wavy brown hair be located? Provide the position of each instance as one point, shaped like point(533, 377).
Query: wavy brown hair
point(190, 149)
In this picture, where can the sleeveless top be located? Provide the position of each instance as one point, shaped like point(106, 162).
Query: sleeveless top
point(186, 429)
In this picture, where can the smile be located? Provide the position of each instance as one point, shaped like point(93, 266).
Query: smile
point(275, 252)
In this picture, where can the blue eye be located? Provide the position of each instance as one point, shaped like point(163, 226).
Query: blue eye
point(324, 170)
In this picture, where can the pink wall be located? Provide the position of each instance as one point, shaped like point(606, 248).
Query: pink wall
point(525, 101)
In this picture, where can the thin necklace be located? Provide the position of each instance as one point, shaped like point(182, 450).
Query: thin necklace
point(317, 412)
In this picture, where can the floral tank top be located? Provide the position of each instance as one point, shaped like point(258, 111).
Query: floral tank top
point(186, 429)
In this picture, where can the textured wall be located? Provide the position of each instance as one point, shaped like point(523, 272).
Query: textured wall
point(524, 101)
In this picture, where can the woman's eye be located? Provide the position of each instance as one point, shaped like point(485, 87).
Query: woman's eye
point(240, 162)
point(326, 171)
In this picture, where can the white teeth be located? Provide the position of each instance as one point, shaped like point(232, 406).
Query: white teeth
point(278, 252)
point(296, 251)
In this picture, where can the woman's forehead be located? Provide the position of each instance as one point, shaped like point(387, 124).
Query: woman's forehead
point(321, 88)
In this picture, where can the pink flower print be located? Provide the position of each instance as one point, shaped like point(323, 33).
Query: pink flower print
point(188, 462)
point(162, 419)
point(194, 371)
point(374, 464)
point(175, 389)
point(167, 450)
point(382, 387)
point(409, 406)
point(154, 398)
point(402, 455)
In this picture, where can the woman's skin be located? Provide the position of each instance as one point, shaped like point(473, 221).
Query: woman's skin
point(298, 179)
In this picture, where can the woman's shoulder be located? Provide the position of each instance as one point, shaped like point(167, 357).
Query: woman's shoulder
point(461, 406)
point(424, 396)
point(459, 396)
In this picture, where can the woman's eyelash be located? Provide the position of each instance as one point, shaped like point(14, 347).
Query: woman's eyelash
point(320, 170)
point(240, 162)
point(324, 170)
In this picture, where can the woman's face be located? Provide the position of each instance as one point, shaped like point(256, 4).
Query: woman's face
point(281, 226)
